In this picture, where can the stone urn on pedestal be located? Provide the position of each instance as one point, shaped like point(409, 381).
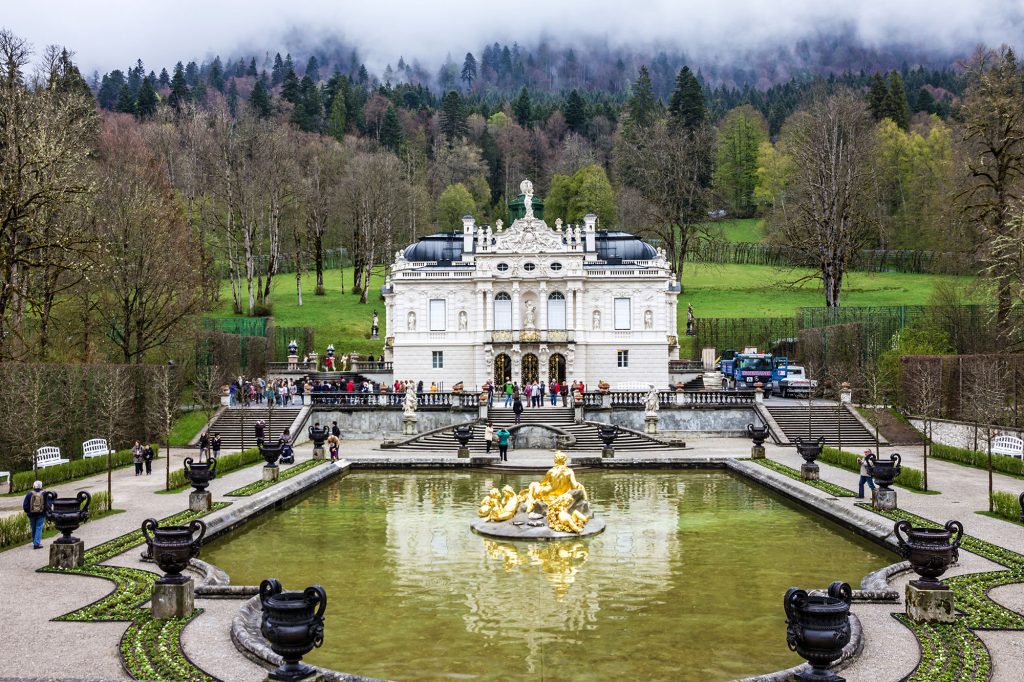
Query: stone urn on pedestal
point(293, 355)
point(884, 472)
point(172, 548)
point(810, 450)
point(758, 434)
point(463, 433)
point(318, 434)
point(293, 624)
point(930, 552)
point(608, 433)
point(271, 452)
point(199, 474)
point(67, 514)
point(818, 627)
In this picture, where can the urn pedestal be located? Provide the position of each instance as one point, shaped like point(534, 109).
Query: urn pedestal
point(67, 514)
point(884, 499)
point(809, 472)
point(200, 501)
point(929, 606)
point(271, 474)
point(67, 555)
point(174, 600)
point(319, 453)
point(607, 452)
point(409, 426)
point(757, 452)
point(651, 423)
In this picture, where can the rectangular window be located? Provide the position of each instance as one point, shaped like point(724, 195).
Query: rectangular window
point(438, 359)
point(622, 313)
point(623, 358)
point(438, 321)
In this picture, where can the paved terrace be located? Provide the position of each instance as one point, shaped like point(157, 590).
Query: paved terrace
point(32, 599)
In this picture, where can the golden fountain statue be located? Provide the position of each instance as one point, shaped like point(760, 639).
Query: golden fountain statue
point(558, 498)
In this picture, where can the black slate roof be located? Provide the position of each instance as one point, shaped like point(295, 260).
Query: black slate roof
point(613, 247)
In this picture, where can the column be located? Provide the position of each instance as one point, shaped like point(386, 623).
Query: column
point(542, 304)
point(515, 307)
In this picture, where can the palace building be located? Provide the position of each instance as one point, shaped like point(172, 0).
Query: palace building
point(530, 302)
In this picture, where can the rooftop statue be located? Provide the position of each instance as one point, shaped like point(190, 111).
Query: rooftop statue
point(526, 187)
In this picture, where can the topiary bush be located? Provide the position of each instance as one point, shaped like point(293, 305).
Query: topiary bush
point(76, 468)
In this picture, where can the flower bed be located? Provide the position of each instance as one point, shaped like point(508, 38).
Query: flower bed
point(949, 653)
point(830, 488)
point(151, 650)
point(259, 486)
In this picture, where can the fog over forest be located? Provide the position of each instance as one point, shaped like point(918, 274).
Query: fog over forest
point(113, 34)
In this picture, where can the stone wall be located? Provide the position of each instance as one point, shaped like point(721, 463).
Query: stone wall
point(367, 424)
point(710, 421)
point(961, 434)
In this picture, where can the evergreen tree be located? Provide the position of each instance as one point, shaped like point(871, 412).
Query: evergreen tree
point(277, 72)
point(896, 104)
point(259, 100)
point(215, 74)
point(363, 75)
point(642, 104)
point(925, 101)
point(110, 89)
point(290, 87)
point(145, 106)
point(575, 112)
point(877, 96)
point(337, 114)
point(391, 131)
point(192, 74)
point(125, 103)
point(165, 78)
point(469, 70)
point(686, 108)
point(453, 117)
point(523, 109)
point(313, 69)
point(251, 71)
point(233, 98)
point(307, 112)
point(180, 93)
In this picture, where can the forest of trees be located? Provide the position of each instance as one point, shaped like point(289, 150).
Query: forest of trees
point(128, 200)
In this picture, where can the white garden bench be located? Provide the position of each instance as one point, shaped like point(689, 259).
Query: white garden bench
point(1008, 445)
point(96, 447)
point(6, 485)
point(49, 455)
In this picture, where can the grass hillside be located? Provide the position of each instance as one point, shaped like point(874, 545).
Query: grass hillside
point(742, 230)
point(714, 291)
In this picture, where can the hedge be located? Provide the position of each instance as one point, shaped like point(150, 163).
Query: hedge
point(225, 464)
point(14, 529)
point(909, 477)
point(1001, 463)
point(76, 468)
point(1006, 505)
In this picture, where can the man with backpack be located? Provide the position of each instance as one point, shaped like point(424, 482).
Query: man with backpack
point(36, 505)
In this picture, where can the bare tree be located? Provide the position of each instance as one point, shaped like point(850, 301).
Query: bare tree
point(207, 389)
point(322, 166)
point(114, 398)
point(163, 409)
point(925, 399)
point(986, 405)
point(831, 143)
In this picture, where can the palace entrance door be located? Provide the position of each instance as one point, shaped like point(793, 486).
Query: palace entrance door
point(530, 369)
point(502, 368)
point(556, 368)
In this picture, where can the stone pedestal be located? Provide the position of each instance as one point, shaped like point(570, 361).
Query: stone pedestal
point(606, 400)
point(846, 395)
point(307, 399)
point(312, 677)
point(319, 453)
point(225, 400)
point(607, 451)
point(930, 606)
point(463, 451)
point(481, 412)
point(200, 501)
point(809, 472)
point(758, 395)
point(293, 362)
point(70, 555)
point(271, 473)
point(757, 452)
point(409, 426)
point(651, 423)
point(884, 499)
point(578, 414)
point(174, 601)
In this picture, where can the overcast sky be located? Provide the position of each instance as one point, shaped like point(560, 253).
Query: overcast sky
point(109, 34)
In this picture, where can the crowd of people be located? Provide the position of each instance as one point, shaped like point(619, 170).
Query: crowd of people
point(532, 394)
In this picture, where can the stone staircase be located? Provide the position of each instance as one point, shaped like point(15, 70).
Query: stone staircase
point(695, 384)
point(586, 434)
point(789, 422)
point(229, 424)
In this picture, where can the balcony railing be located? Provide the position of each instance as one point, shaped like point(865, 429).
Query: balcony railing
point(371, 366)
point(440, 400)
point(278, 367)
point(681, 366)
point(668, 399)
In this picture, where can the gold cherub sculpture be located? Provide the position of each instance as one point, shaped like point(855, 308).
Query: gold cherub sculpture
point(558, 497)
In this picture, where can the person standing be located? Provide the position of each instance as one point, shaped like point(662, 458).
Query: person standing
point(335, 431)
point(528, 391)
point(509, 387)
point(333, 446)
point(865, 475)
point(215, 444)
point(204, 444)
point(490, 393)
point(137, 457)
point(540, 393)
point(489, 435)
point(553, 391)
point(503, 435)
point(517, 407)
point(261, 430)
point(36, 505)
point(147, 459)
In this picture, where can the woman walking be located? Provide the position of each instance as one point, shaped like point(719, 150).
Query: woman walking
point(137, 457)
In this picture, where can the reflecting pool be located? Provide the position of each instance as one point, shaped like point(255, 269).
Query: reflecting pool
point(686, 583)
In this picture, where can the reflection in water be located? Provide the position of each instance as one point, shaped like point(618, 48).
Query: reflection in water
point(685, 583)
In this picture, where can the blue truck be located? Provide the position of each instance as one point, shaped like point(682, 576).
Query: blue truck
point(741, 371)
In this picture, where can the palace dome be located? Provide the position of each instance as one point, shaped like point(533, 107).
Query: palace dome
point(612, 247)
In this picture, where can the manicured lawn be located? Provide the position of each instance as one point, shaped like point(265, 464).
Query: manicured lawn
point(742, 230)
point(186, 427)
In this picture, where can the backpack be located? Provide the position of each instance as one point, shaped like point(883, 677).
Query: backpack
point(37, 505)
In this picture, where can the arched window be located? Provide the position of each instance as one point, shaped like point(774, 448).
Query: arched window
point(556, 310)
point(502, 311)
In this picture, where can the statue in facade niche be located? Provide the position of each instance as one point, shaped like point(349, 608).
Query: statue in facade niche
point(689, 320)
point(531, 314)
point(411, 324)
point(597, 319)
point(463, 321)
point(648, 319)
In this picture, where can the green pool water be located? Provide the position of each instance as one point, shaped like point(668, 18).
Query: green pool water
point(686, 583)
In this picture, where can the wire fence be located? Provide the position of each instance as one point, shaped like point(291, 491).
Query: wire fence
point(869, 260)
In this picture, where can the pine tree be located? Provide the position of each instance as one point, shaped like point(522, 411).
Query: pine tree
point(453, 117)
point(233, 98)
point(165, 78)
point(277, 72)
point(643, 105)
point(363, 75)
point(469, 70)
point(575, 112)
point(192, 74)
point(391, 131)
point(896, 102)
point(307, 112)
point(313, 69)
point(290, 87)
point(180, 93)
point(145, 106)
point(523, 109)
point(251, 71)
point(686, 108)
point(259, 100)
point(215, 75)
point(337, 114)
point(125, 103)
point(925, 101)
point(877, 96)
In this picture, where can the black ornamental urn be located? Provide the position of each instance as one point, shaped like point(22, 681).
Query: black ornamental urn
point(200, 474)
point(172, 547)
point(608, 433)
point(318, 434)
point(67, 514)
point(1021, 500)
point(758, 434)
point(271, 452)
point(884, 471)
point(930, 551)
point(293, 623)
point(818, 627)
point(810, 449)
point(463, 434)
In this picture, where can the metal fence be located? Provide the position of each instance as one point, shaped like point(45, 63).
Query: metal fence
point(869, 260)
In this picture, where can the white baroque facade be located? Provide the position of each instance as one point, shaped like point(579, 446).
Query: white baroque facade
point(531, 302)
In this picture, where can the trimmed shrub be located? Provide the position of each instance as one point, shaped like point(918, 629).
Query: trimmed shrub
point(225, 464)
point(1001, 463)
point(909, 477)
point(1006, 505)
point(76, 468)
